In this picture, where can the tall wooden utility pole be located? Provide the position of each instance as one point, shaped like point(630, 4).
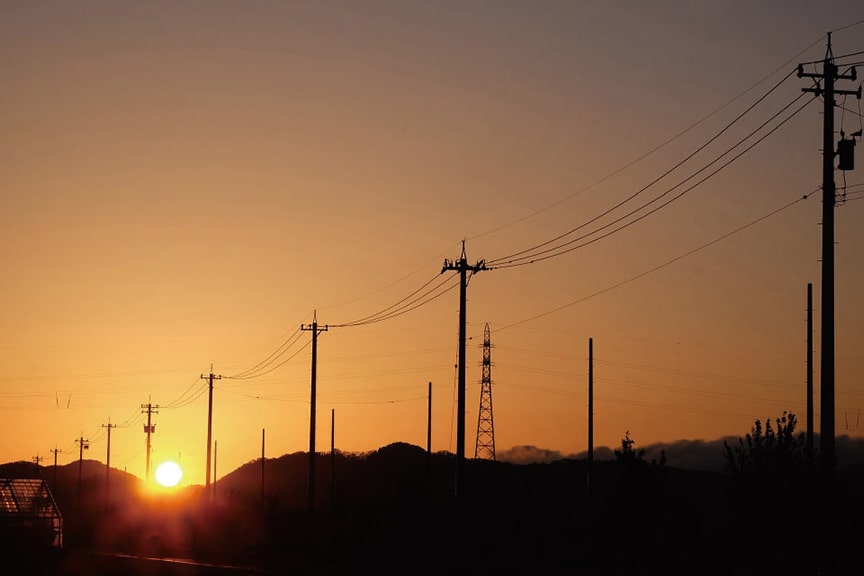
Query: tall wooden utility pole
point(149, 429)
point(262, 468)
point(332, 455)
point(464, 269)
point(830, 74)
point(210, 378)
point(429, 427)
point(83, 444)
point(55, 451)
point(212, 493)
point(108, 426)
point(590, 416)
point(315, 329)
point(809, 440)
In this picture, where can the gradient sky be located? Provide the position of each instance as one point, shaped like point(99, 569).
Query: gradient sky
point(186, 183)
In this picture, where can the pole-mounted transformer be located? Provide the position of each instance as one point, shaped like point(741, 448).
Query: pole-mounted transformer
point(846, 151)
point(846, 146)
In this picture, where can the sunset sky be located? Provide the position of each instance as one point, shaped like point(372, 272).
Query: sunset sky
point(185, 183)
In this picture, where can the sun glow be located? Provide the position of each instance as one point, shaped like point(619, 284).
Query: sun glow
point(168, 474)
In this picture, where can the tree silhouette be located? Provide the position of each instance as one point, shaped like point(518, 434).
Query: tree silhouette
point(628, 454)
point(768, 451)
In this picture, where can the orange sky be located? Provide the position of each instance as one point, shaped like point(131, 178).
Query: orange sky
point(185, 183)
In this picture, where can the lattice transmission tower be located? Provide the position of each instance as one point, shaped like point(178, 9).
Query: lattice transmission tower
point(485, 447)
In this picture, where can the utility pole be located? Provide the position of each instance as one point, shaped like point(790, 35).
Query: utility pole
point(429, 430)
point(108, 426)
point(55, 451)
point(37, 460)
point(332, 455)
point(315, 329)
point(262, 468)
point(83, 444)
point(210, 379)
point(464, 269)
point(809, 440)
point(590, 416)
point(829, 75)
point(149, 429)
point(212, 493)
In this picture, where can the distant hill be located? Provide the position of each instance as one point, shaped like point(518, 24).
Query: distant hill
point(77, 483)
point(707, 455)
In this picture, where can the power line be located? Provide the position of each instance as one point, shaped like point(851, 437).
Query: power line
point(658, 267)
point(859, 22)
point(442, 287)
point(256, 370)
point(516, 256)
point(272, 368)
point(189, 399)
point(182, 399)
point(397, 281)
point(653, 150)
point(549, 253)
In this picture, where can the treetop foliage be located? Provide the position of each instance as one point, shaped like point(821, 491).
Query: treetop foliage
point(772, 449)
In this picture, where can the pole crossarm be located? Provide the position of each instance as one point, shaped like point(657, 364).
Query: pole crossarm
point(818, 90)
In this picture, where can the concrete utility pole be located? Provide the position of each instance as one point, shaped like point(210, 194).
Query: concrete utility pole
point(332, 454)
point(55, 451)
point(262, 468)
point(149, 429)
point(212, 493)
point(83, 444)
point(809, 440)
point(464, 269)
point(315, 329)
point(590, 415)
point(210, 379)
point(108, 426)
point(828, 76)
point(429, 425)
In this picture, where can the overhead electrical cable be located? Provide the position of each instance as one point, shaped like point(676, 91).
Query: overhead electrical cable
point(182, 397)
point(532, 252)
point(130, 420)
point(653, 150)
point(392, 306)
point(561, 250)
point(282, 349)
point(858, 23)
point(262, 371)
point(659, 266)
point(191, 399)
point(397, 281)
point(411, 302)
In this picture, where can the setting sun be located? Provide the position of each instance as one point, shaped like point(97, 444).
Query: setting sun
point(168, 474)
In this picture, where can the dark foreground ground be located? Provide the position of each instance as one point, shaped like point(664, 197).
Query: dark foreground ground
point(394, 514)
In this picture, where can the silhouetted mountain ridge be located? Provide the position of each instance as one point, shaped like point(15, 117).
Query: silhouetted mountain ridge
point(706, 455)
